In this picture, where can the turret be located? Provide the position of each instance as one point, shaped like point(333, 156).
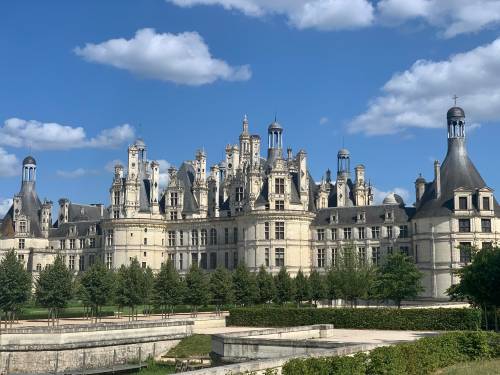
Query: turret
point(46, 218)
point(63, 210)
point(275, 141)
point(29, 170)
point(245, 147)
point(155, 182)
point(419, 188)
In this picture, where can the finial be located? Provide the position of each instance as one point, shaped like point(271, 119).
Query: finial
point(275, 116)
point(455, 97)
point(245, 118)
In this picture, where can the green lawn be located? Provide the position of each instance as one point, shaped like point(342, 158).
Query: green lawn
point(473, 368)
point(192, 346)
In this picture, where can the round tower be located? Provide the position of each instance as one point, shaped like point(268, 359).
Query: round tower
point(29, 169)
point(275, 140)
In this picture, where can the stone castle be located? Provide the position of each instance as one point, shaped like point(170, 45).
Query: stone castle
point(261, 211)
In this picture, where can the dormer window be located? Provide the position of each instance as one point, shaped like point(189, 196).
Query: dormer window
point(486, 203)
point(361, 217)
point(22, 227)
point(462, 203)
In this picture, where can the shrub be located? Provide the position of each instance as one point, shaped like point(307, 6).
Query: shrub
point(374, 318)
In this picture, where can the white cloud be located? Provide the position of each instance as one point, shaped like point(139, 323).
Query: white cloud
point(302, 14)
point(52, 136)
point(76, 173)
point(454, 17)
point(164, 178)
point(9, 165)
point(323, 120)
point(5, 205)
point(181, 58)
point(379, 195)
point(420, 96)
point(110, 166)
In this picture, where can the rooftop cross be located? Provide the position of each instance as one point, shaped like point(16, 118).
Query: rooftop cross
point(455, 97)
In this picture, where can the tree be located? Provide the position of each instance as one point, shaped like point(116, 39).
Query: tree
point(130, 287)
point(331, 289)
point(221, 288)
point(15, 286)
point(265, 286)
point(284, 287)
point(54, 288)
point(317, 286)
point(301, 287)
point(197, 293)
point(147, 288)
point(167, 290)
point(353, 275)
point(96, 288)
point(398, 279)
point(245, 286)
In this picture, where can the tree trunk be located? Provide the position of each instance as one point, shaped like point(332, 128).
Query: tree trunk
point(496, 318)
point(486, 317)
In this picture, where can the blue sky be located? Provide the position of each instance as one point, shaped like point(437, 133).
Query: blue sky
point(79, 80)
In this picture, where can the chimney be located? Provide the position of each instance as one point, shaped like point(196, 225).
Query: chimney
point(437, 178)
point(289, 153)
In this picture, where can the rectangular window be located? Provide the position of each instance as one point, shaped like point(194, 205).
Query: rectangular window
point(145, 241)
point(71, 262)
point(173, 215)
point(116, 214)
point(376, 232)
point(226, 259)
point(203, 237)
point(174, 199)
point(235, 259)
point(203, 261)
point(92, 243)
point(181, 261)
point(279, 257)
point(181, 237)
point(266, 230)
point(347, 233)
point(403, 231)
point(235, 235)
point(486, 225)
point(334, 256)
point(376, 255)
point(389, 232)
point(72, 243)
point(109, 238)
point(213, 236)
point(239, 194)
point(334, 233)
point(117, 198)
point(279, 205)
point(82, 243)
point(361, 233)
point(91, 259)
point(279, 230)
point(194, 237)
point(465, 252)
point(362, 255)
point(321, 234)
point(279, 186)
point(321, 258)
point(389, 250)
point(22, 243)
point(405, 250)
point(487, 245)
point(226, 236)
point(144, 265)
point(171, 238)
point(462, 203)
point(22, 227)
point(266, 257)
point(486, 203)
point(464, 225)
point(109, 261)
point(194, 258)
point(81, 263)
point(62, 244)
point(213, 261)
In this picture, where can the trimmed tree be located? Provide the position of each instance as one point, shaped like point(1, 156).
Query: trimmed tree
point(167, 292)
point(130, 287)
point(398, 279)
point(96, 288)
point(15, 286)
point(221, 288)
point(54, 288)
point(317, 286)
point(301, 286)
point(284, 287)
point(245, 286)
point(331, 289)
point(265, 286)
point(197, 293)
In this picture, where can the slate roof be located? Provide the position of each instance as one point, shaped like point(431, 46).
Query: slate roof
point(186, 176)
point(83, 212)
point(375, 215)
point(82, 229)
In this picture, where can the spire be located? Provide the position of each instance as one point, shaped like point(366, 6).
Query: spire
point(245, 125)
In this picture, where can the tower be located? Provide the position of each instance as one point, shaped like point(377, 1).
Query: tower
point(343, 168)
point(245, 149)
point(155, 181)
point(29, 170)
point(275, 141)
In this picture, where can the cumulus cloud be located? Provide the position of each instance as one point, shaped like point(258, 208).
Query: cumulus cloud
point(9, 165)
point(181, 58)
point(5, 204)
point(420, 96)
point(164, 178)
point(76, 173)
point(38, 135)
point(110, 166)
point(453, 17)
point(379, 195)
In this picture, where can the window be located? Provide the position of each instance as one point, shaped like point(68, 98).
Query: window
point(334, 233)
point(279, 230)
point(362, 254)
point(321, 258)
point(226, 236)
point(389, 232)
point(22, 243)
point(279, 186)
point(464, 225)
point(144, 265)
point(266, 230)
point(376, 232)
point(203, 237)
point(361, 233)
point(82, 243)
point(279, 255)
point(486, 203)
point(279, 205)
point(462, 203)
point(334, 256)
point(389, 250)
point(116, 214)
point(487, 245)
point(72, 243)
point(194, 258)
point(405, 250)
point(174, 199)
point(20, 257)
point(62, 244)
point(226, 259)
point(81, 263)
point(465, 252)
point(39, 267)
point(266, 257)
point(171, 238)
point(239, 194)
point(321, 234)
point(71, 262)
point(376, 255)
point(145, 254)
point(235, 259)
point(91, 259)
point(347, 233)
point(109, 261)
point(403, 231)
point(117, 198)
point(22, 227)
point(181, 237)
point(92, 243)
point(145, 241)
point(213, 236)
point(181, 261)
point(109, 238)
point(173, 215)
point(203, 261)
point(235, 235)
point(194, 237)
point(213, 261)
point(486, 225)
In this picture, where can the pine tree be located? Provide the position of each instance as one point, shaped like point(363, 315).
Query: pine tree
point(265, 286)
point(317, 286)
point(197, 292)
point(15, 285)
point(96, 288)
point(245, 286)
point(221, 288)
point(54, 288)
point(167, 289)
point(301, 287)
point(284, 287)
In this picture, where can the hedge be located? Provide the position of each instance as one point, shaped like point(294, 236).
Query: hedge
point(441, 319)
point(417, 358)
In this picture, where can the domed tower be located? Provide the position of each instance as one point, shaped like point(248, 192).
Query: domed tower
point(343, 163)
point(343, 168)
point(29, 170)
point(456, 123)
point(275, 141)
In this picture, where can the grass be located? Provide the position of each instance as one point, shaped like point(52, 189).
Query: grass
point(491, 367)
point(192, 346)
